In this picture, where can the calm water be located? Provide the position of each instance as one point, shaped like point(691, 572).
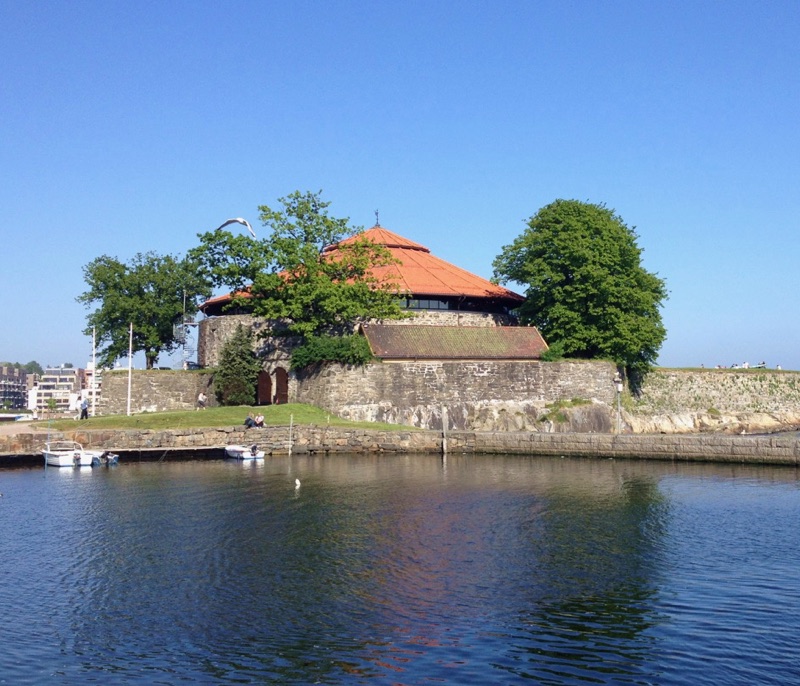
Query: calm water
point(400, 570)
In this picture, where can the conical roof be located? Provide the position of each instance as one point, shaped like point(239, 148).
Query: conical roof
point(417, 272)
point(422, 274)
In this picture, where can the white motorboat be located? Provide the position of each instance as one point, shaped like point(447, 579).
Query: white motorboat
point(69, 454)
point(240, 452)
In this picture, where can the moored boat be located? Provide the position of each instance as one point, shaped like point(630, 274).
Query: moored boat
point(240, 452)
point(68, 454)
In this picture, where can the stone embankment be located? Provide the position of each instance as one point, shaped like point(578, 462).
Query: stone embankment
point(775, 449)
point(552, 397)
point(675, 401)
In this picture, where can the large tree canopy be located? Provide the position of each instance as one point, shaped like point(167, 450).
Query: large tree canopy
point(151, 292)
point(288, 278)
point(587, 291)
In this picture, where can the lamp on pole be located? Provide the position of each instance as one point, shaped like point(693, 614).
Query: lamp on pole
point(618, 386)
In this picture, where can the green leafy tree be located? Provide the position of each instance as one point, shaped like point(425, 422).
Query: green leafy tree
point(587, 291)
point(151, 292)
point(237, 374)
point(290, 278)
point(33, 367)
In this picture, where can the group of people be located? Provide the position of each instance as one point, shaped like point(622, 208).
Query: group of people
point(251, 422)
point(256, 421)
point(746, 365)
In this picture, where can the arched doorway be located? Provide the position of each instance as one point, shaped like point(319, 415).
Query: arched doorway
point(264, 389)
point(281, 386)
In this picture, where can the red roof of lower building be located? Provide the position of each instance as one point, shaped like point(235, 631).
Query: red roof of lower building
point(419, 342)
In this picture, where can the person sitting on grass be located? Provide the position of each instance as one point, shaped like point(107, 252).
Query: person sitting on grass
point(259, 421)
point(249, 422)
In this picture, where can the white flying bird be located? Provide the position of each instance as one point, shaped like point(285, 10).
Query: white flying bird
point(239, 220)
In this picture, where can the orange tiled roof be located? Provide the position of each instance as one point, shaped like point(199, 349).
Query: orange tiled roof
point(225, 298)
point(418, 272)
point(423, 274)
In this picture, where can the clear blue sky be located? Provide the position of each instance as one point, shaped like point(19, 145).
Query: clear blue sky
point(133, 126)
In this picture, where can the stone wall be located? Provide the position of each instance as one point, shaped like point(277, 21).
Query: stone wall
point(733, 401)
point(726, 390)
point(504, 396)
point(484, 396)
point(215, 331)
point(481, 396)
point(153, 390)
point(779, 450)
point(452, 318)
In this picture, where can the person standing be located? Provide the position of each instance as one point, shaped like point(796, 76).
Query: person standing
point(85, 409)
point(201, 401)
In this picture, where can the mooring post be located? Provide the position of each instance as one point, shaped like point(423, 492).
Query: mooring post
point(444, 430)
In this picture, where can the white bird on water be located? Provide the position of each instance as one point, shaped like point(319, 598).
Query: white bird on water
point(297, 483)
point(238, 220)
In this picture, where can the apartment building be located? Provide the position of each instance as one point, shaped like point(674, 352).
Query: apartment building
point(13, 388)
point(62, 385)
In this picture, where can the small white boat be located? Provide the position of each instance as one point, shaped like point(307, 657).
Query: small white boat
point(240, 452)
point(68, 454)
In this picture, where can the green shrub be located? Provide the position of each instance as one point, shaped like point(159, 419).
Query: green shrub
point(555, 411)
point(553, 353)
point(351, 349)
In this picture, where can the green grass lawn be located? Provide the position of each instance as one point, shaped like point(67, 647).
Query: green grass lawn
point(274, 415)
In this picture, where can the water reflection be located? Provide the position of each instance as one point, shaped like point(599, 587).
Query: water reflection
point(386, 569)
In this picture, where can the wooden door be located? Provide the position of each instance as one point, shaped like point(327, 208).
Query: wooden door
point(264, 389)
point(281, 386)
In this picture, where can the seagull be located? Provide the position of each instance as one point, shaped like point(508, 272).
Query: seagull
point(297, 483)
point(238, 220)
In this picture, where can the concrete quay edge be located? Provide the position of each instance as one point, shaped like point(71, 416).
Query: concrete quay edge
point(276, 440)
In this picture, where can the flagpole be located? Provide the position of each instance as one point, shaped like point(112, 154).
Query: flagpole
point(94, 369)
point(130, 366)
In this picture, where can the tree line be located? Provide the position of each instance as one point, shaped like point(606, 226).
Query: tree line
point(31, 367)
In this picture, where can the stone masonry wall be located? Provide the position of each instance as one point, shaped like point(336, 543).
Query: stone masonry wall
point(724, 390)
point(481, 395)
point(452, 318)
point(215, 331)
point(503, 396)
point(154, 390)
point(718, 400)
point(279, 440)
